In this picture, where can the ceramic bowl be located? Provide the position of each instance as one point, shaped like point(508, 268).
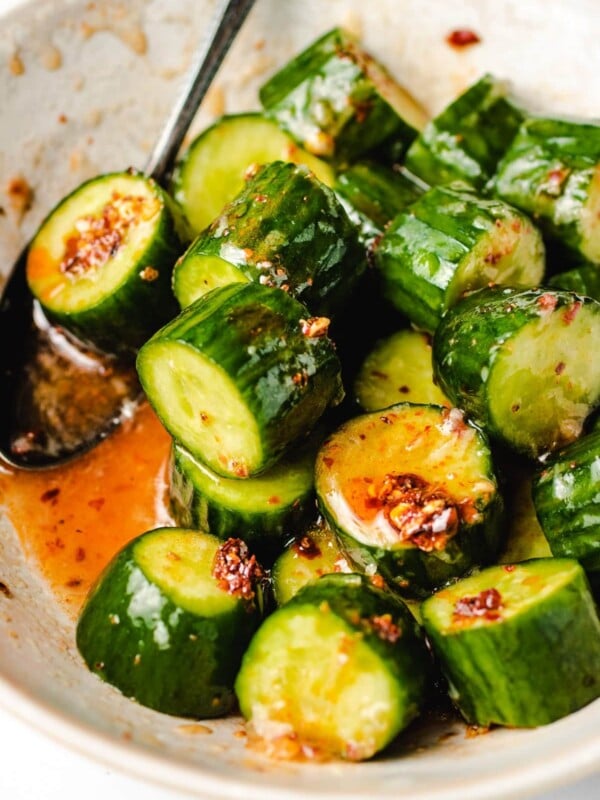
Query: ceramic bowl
point(83, 89)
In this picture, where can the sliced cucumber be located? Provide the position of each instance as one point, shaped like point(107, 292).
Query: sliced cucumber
point(101, 262)
point(285, 229)
point(264, 511)
point(412, 493)
point(373, 195)
point(451, 241)
point(213, 168)
point(469, 137)
point(520, 644)
point(169, 619)
point(339, 670)
point(398, 368)
point(308, 556)
point(241, 375)
point(584, 279)
point(552, 171)
point(338, 102)
point(566, 496)
point(517, 362)
point(524, 537)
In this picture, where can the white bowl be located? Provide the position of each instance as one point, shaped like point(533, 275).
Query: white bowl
point(113, 70)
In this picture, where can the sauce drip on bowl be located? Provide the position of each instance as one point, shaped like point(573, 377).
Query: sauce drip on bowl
point(72, 519)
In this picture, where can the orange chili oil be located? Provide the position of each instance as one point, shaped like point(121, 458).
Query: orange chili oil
point(73, 519)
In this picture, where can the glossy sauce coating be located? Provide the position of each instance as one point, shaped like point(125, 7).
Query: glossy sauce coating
point(72, 519)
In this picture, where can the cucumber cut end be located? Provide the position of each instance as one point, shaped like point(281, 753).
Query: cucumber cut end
point(543, 386)
point(325, 689)
point(218, 428)
point(197, 274)
point(590, 219)
point(180, 563)
point(92, 241)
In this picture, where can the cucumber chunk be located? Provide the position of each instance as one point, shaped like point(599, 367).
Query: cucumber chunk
point(398, 368)
point(519, 644)
point(552, 171)
point(169, 618)
point(451, 241)
point(308, 556)
point(412, 493)
point(241, 375)
point(469, 137)
point(285, 229)
point(373, 195)
point(337, 671)
point(213, 168)
point(263, 510)
point(338, 102)
point(583, 280)
point(566, 496)
point(517, 362)
point(100, 264)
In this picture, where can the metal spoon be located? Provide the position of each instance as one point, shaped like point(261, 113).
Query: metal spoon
point(58, 400)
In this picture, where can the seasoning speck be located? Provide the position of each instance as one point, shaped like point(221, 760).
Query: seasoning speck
point(462, 37)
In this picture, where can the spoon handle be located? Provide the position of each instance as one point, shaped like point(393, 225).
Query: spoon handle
point(222, 31)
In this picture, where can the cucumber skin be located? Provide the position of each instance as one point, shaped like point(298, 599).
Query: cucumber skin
point(569, 513)
point(584, 279)
point(540, 147)
point(285, 228)
point(467, 139)
point(373, 195)
point(466, 340)
point(263, 531)
point(422, 249)
point(122, 322)
point(253, 333)
point(553, 647)
point(193, 676)
point(324, 89)
point(352, 598)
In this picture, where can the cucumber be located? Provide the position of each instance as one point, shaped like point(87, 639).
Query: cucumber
point(337, 671)
point(398, 368)
point(240, 376)
point(264, 511)
point(451, 241)
point(100, 264)
point(517, 362)
point(524, 537)
point(338, 102)
point(169, 618)
point(373, 195)
point(519, 644)
point(311, 554)
point(285, 229)
point(468, 138)
point(566, 498)
point(212, 169)
point(552, 171)
point(411, 492)
point(584, 279)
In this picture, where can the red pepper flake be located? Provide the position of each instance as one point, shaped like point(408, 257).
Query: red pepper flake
point(509, 567)
point(300, 378)
point(560, 368)
point(386, 420)
point(80, 554)
point(149, 274)
point(462, 37)
point(5, 590)
point(377, 581)
point(547, 301)
point(74, 583)
point(306, 547)
point(329, 462)
point(274, 500)
point(421, 514)
point(486, 604)
point(96, 503)
point(571, 312)
point(554, 181)
point(235, 570)
point(383, 626)
point(404, 389)
point(315, 326)
point(515, 407)
point(51, 496)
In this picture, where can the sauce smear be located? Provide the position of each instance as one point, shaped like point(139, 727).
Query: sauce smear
point(74, 518)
